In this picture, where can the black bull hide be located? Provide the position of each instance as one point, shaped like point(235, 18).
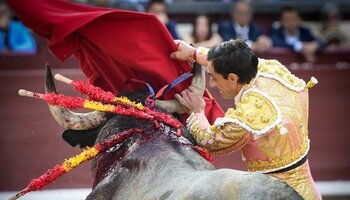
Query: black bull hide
point(154, 165)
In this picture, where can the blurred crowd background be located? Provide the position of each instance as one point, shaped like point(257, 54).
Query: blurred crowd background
point(207, 23)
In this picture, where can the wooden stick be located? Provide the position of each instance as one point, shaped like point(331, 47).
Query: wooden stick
point(16, 196)
point(26, 93)
point(63, 79)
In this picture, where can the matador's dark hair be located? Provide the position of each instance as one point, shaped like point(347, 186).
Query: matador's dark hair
point(236, 57)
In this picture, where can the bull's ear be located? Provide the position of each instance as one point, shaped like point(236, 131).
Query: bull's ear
point(82, 137)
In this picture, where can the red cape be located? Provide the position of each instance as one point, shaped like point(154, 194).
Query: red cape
point(111, 45)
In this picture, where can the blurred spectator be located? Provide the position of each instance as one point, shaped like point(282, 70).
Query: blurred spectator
point(159, 8)
point(79, 1)
point(129, 5)
point(331, 34)
point(291, 34)
point(202, 34)
point(14, 36)
point(241, 25)
point(100, 3)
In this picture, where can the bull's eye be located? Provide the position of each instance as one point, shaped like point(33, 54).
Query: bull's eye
point(166, 129)
point(112, 149)
point(131, 143)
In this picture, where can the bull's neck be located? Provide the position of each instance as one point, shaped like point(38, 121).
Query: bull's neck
point(152, 155)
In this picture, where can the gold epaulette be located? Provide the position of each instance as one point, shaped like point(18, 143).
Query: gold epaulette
point(275, 70)
point(256, 112)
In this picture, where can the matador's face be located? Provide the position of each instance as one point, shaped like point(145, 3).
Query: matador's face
point(228, 88)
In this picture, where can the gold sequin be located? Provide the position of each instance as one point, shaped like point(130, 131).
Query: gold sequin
point(251, 117)
point(264, 118)
point(244, 100)
point(258, 104)
point(239, 112)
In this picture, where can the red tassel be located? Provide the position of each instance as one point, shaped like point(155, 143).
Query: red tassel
point(94, 93)
point(64, 101)
point(50, 176)
point(156, 124)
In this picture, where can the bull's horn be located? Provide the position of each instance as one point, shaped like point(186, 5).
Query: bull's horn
point(67, 118)
point(170, 106)
point(198, 83)
point(198, 80)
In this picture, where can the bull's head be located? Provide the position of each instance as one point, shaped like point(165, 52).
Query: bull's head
point(86, 121)
point(85, 128)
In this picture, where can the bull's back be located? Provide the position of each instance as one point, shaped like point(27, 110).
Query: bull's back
point(223, 184)
point(177, 173)
point(227, 184)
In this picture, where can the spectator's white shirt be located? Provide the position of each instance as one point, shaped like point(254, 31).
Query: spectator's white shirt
point(293, 40)
point(243, 32)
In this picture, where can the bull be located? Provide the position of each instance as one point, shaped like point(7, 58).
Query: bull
point(156, 164)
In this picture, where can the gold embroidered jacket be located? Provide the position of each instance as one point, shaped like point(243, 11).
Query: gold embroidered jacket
point(269, 124)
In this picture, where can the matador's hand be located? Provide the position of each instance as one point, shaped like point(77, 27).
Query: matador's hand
point(191, 101)
point(185, 51)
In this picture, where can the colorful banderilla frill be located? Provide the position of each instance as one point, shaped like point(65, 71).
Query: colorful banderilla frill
point(52, 174)
point(126, 108)
point(100, 97)
point(98, 94)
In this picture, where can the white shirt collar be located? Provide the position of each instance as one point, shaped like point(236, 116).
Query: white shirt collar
point(239, 96)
